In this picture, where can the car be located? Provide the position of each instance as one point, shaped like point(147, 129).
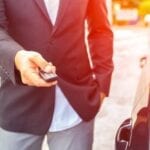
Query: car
point(144, 12)
point(134, 132)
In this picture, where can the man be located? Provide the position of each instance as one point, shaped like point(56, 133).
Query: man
point(49, 35)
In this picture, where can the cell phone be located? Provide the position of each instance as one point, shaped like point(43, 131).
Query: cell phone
point(48, 77)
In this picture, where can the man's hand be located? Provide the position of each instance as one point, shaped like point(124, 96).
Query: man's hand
point(102, 97)
point(29, 63)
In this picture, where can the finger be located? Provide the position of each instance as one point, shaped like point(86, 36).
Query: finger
point(33, 79)
point(41, 83)
point(53, 69)
point(37, 59)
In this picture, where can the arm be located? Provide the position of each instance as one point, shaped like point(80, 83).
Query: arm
point(13, 58)
point(100, 39)
point(8, 47)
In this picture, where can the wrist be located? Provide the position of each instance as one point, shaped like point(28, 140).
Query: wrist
point(18, 57)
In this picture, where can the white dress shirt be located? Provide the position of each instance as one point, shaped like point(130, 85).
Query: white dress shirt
point(64, 115)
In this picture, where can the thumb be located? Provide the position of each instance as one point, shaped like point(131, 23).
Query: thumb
point(37, 59)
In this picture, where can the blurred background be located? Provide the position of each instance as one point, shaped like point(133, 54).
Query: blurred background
point(130, 21)
point(129, 12)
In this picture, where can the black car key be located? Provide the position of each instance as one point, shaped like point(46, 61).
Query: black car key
point(48, 77)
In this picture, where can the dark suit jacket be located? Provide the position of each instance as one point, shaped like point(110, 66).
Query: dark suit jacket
point(25, 24)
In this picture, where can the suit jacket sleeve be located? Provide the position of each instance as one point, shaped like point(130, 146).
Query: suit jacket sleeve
point(8, 46)
point(100, 39)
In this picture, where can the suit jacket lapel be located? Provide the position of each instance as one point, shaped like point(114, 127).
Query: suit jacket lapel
point(41, 5)
point(62, 7)
point(61, 11)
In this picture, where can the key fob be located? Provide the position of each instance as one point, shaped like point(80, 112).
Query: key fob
point(48, 77)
